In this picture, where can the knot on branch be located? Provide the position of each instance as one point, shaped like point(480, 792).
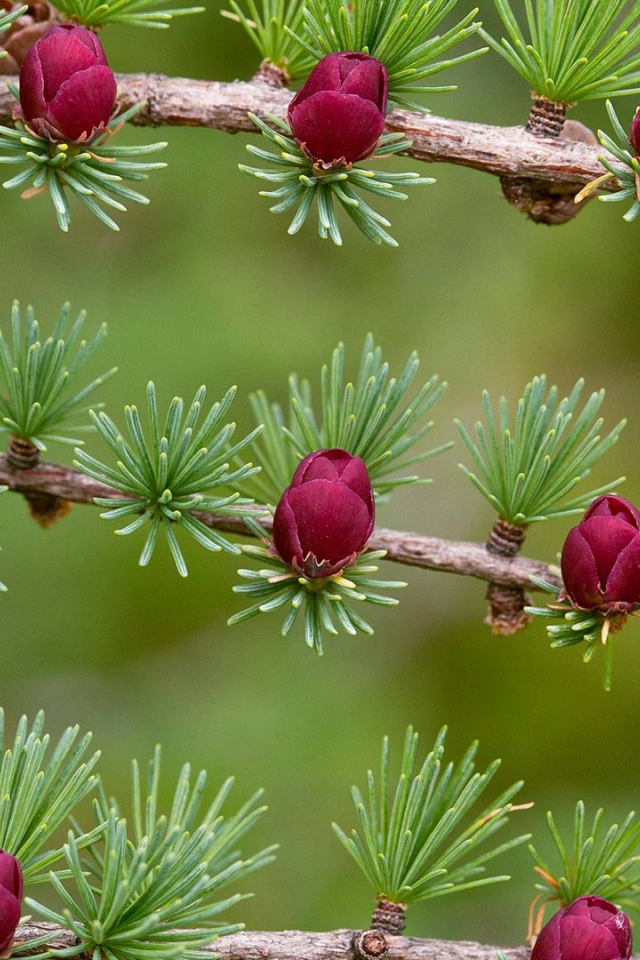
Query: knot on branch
point(546, 201)
point(506, 614)
point(46, 509)
point(541, 200)
point(368, 944)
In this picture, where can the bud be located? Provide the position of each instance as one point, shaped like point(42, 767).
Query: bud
point(635, 133)
point(10, 900)
point(337, 117)
point(325, 516)
point(67, 88)
point(590, 928)
point(601, 558)
point(23, 32)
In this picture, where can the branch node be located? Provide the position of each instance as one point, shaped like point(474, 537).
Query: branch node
point(542, 200)
point(272, 75)
point(546, 201)
point(22, 454)
point(388, 917)
point(506, 538)
point(546, 118)
point(45, 508)
point(506, 614)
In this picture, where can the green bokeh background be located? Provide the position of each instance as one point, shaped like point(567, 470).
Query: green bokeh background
point(205, 286)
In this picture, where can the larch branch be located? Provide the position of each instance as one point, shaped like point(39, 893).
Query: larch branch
point(300, 945)
point(413, 549)
point(501, 151)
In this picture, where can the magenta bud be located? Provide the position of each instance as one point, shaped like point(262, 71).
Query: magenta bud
point(67, 88)
point(337, 117)
point(601, 558)
point(634, 136)
point(590, 928)
point(10, 900)
point(325, 516)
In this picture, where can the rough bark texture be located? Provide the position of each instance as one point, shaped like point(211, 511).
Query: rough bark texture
point(413, 549)
point(300, 945)
point(501, 151)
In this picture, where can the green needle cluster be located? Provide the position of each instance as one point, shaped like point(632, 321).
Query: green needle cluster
point(93, 176)
point(573, 50)
point(375, 416)
point(151, 892)
point(618, 145)
point(418, 836)
point(571, 627)
point(598, 861)
point(270, 28)
point(40, 786)
point(38, 392)
point(300, 184)
point(7, 19)
point(181, 467)
point(136, 13)
point(324, 605)
point(528, 464)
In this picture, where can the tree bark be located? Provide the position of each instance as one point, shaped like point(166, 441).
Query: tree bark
point(300, 945)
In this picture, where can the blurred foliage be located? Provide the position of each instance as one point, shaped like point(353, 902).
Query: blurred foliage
point(203, 286)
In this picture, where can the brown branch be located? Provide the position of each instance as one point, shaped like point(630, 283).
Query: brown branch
point(509, 152)
point(413, 549)
point(338, 945)
point(300, 945)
